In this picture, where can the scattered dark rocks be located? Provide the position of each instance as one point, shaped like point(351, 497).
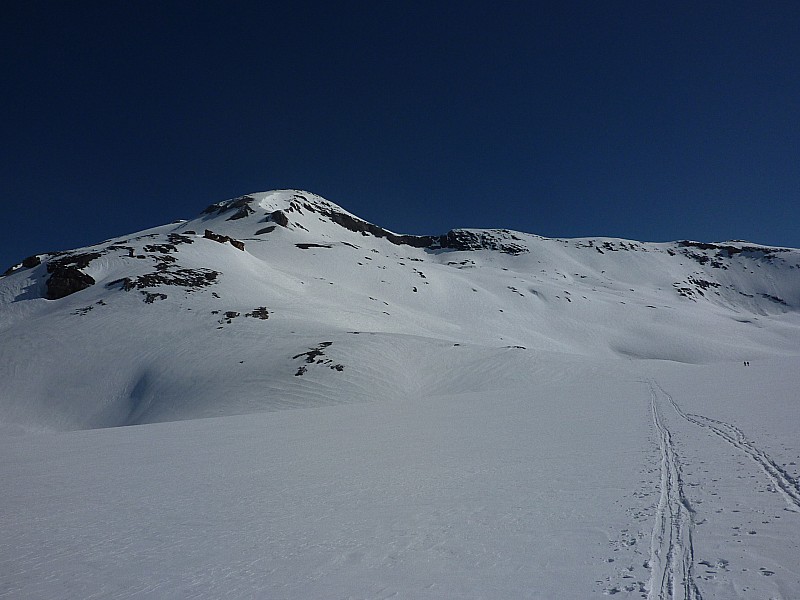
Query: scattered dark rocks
point(313, 353)
point(686, 292)
point(700, 258)
point(120, 247)
point(210, 235)
point(775, 299)
point(227, 317)
point(703, 245)
point(192, 279)
point(164, 261)
point(160, 248)
point(79, 261)
point(259, 313)
point(462, 264)
point(316, 355)
point(702, 283)
point(149, 297)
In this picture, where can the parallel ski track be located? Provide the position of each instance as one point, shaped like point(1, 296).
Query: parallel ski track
point(671, 551)
point(782, 481)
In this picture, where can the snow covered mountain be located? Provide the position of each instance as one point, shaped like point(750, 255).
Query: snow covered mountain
point(284, 299)
point(485, 414)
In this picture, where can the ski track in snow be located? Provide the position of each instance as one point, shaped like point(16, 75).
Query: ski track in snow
point(781, 480)
point(671, 551)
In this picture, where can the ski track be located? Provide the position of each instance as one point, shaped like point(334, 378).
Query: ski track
point(781, 480)
point(671, 551)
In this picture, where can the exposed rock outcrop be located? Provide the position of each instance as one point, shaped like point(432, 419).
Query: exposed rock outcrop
point(244, 211)
point(27, 263)
point(465, 240)
point(279, 217)
point(66, 280)
point(242, 203)
point(259, 313)
point(222, 239)
point(66, 276)
point(31, 261)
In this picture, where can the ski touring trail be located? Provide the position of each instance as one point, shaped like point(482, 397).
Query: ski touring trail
point(671, 551)
point(781, 480)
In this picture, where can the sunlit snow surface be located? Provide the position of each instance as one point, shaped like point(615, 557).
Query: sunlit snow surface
point(557, 423)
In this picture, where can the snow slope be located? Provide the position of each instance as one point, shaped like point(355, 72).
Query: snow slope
point(150, 341)
point(485, 414)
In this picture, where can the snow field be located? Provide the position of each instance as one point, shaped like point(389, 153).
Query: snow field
point(571, 419)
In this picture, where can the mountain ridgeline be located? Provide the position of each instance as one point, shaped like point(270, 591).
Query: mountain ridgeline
point(285, 300)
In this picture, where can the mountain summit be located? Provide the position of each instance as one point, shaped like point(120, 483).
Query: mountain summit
point(283, 299)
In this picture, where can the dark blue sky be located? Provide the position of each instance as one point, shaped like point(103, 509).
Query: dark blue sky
point(647, 120)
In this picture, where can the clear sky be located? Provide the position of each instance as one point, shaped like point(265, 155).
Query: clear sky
point(646, 120)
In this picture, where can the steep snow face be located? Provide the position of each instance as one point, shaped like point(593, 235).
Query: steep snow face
point(283, 299)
